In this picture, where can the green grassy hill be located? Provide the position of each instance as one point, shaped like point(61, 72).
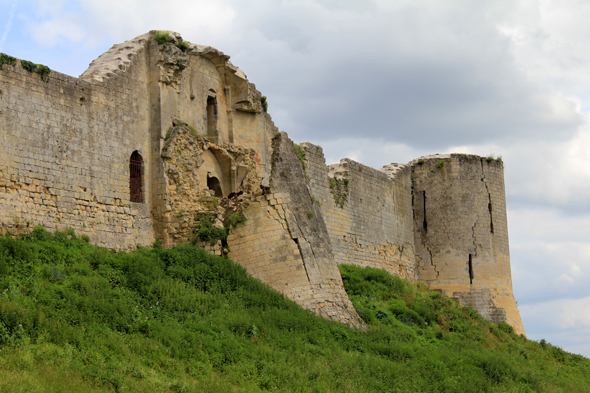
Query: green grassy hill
point(74, 317)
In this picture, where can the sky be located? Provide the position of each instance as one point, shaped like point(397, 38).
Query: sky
point(382, 81)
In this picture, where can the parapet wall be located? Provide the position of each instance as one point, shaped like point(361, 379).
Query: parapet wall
point(368, 214)
point(65, 154)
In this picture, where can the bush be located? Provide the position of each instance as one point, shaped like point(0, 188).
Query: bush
point(440, 164)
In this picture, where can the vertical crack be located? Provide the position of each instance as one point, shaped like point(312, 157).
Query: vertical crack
point(424, 223)
point(483, 179)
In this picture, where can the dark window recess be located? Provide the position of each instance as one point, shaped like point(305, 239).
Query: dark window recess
point(424, 223)
point(211, 117)
point(470, 269)
point(135, 177)
point(213, 184)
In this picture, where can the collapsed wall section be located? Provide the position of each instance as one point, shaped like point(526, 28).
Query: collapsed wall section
point(368, 214)
point(65, 153)
point(285, 242)
point(461, 234)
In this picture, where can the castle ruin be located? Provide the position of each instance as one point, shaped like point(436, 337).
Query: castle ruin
point(161, 139)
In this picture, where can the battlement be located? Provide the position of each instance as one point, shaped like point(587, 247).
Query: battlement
point(162, 139)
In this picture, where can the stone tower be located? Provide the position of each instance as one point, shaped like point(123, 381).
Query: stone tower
point(460, 231)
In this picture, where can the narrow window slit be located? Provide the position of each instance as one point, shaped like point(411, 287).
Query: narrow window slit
point(470, 269)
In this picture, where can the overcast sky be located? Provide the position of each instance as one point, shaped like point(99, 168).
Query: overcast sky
point(388, 81)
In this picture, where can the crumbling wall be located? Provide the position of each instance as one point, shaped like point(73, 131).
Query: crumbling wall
point(65, 150)
point(368, 214)
point(285, 242)
point(190, 163)
point(461, 232)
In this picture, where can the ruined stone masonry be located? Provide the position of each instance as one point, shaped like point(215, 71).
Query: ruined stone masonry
point(163, 140)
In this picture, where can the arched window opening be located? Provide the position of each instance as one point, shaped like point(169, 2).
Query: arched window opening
point(212, 118)
point(136, 177)
point(214, 184)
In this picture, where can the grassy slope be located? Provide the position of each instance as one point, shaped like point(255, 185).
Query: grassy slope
point(74, 317)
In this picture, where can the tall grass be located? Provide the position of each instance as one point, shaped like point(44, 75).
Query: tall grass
point(74, 317)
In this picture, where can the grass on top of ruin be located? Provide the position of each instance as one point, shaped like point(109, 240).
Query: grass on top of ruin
point(75, 317)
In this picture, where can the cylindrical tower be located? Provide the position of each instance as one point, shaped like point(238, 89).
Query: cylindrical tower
point(461, 234)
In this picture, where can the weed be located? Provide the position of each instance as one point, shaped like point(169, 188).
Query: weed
point(28, 65)
point(180, 214)
point(42, 70)
point(264, 103)
point(420, 162)
point(346, 181)
point(5, 59)
point(332, 183)
point(193, 131)
point(183, 46)
point(310, 214)
point(440, 164)
point(162, 38)
point(300, 153)
point(236, 218)
point(168, 133)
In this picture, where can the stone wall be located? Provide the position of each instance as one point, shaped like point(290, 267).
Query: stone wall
point(368, 215)
point(461, 234)
point(65, 150)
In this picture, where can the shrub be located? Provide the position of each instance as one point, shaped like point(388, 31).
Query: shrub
point(310, 214)
point(440, 164)
point(420, 162)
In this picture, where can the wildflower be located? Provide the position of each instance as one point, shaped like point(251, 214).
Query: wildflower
point(151, 307)
point(157, 303)
point(146, 317)
point(136, 306)
point(20, 325)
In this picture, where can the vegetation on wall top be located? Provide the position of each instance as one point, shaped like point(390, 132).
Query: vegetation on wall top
point(5, 59)
point(40, 69)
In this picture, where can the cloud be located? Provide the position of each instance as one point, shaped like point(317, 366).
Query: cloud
point(570, 317)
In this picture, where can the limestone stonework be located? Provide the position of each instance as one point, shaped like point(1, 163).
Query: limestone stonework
point(170, 142)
